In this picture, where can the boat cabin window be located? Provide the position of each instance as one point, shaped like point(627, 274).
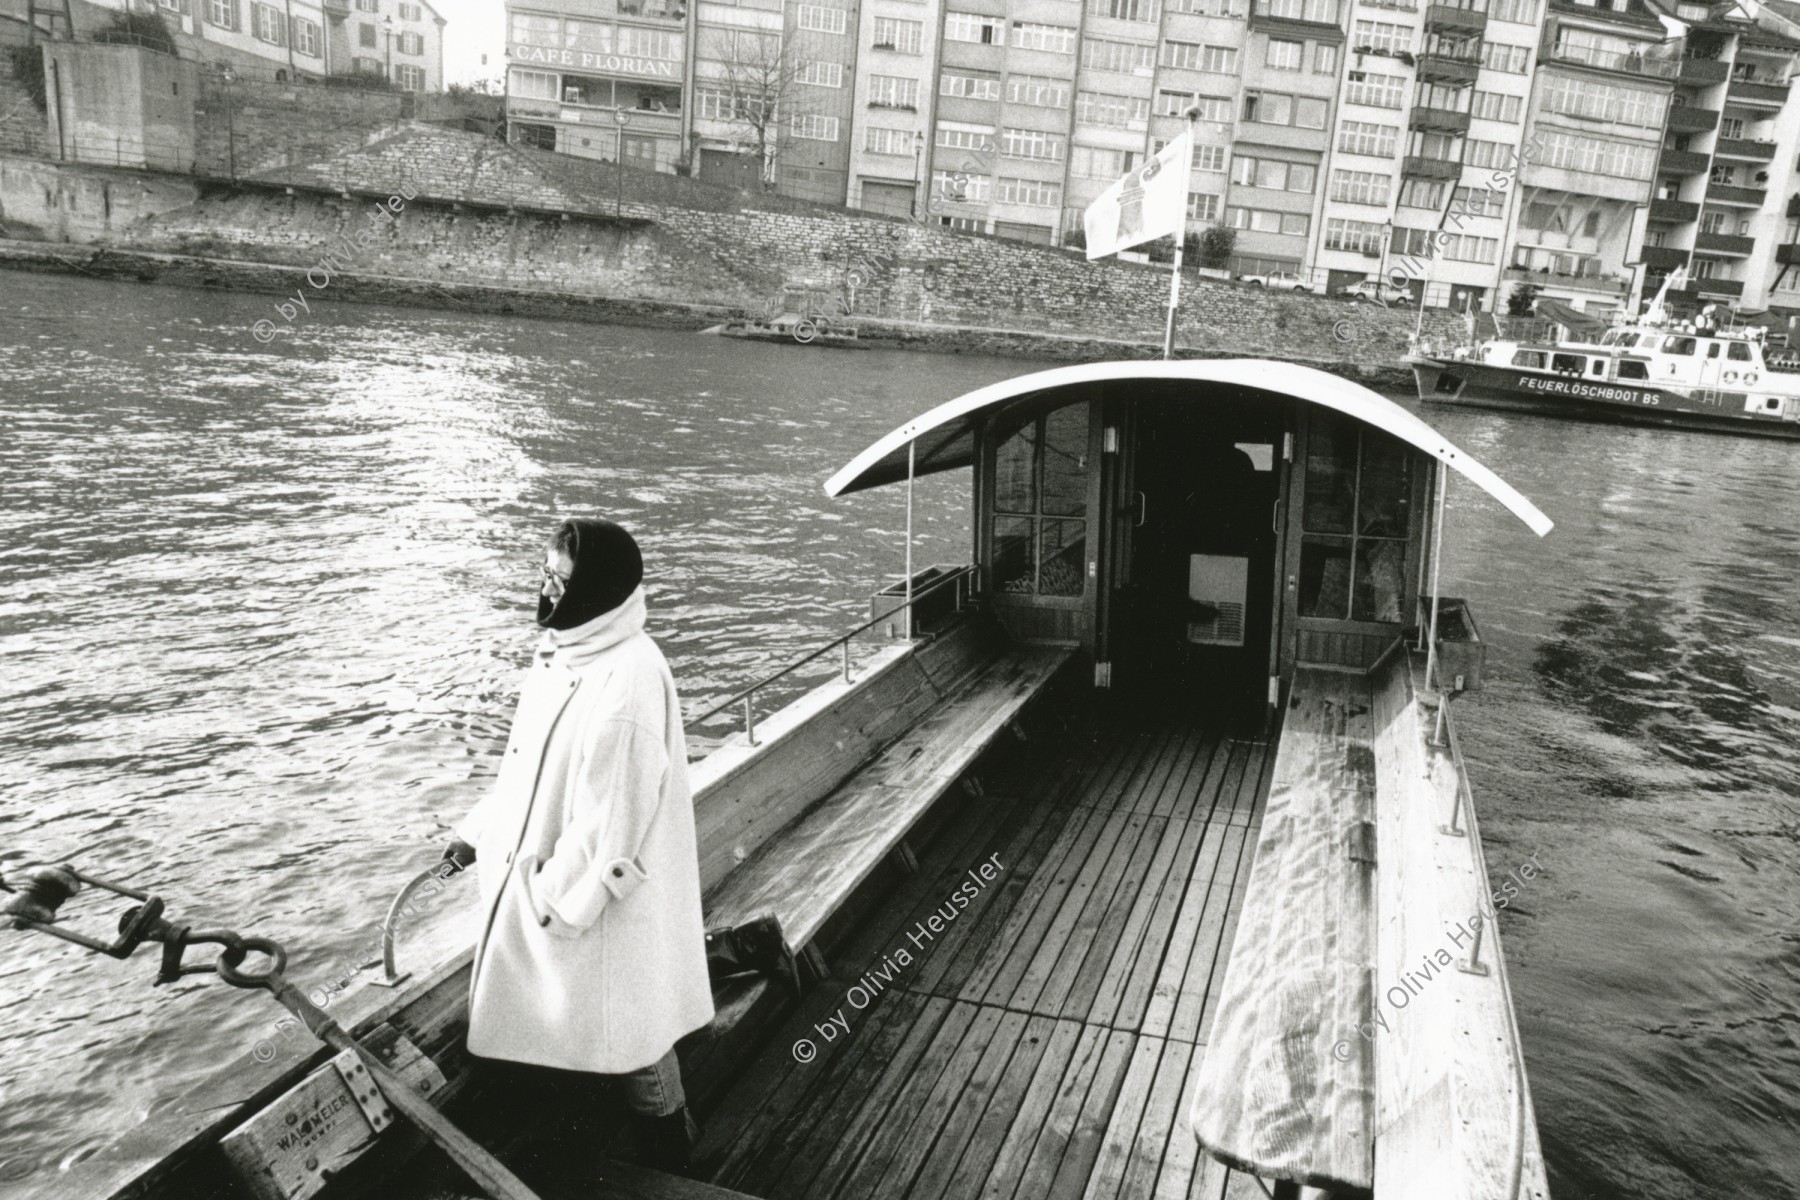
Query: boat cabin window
point(1633, 368)
point(1528, 358)
point(1738, 352)
point(1679, 345)
point(1359, 486)
point(1712, 350)
point(1599, 367)
point(1571, 363)
point(1040, 506)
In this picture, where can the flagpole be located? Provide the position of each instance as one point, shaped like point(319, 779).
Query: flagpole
point(1187, 183)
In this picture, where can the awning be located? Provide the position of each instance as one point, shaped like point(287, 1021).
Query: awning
point(1571, 318)
point(946, 434)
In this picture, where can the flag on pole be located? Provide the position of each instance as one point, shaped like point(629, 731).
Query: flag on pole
point(1147, 204)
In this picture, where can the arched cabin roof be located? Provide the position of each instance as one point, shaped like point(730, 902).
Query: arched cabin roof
point(946, 434)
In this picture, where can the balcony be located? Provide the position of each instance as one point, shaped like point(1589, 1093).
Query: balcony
point(1632, 63)
point(1419, 167)
point(1772, 95)
point(1439, 119)
point(1580, 281)
point(1447, 68)
point(1725, 243)
point(1720, 289)
point(1449, 18)
point(1664, 258)
point(1725, 193)
point(337, 8)
point(1680, 212)
point(1685, 118)
point(1622, 12)
point(1682, 162)
point(1744, 148)
point(1788, 254)
point(1702, 72)
point(1262, 18)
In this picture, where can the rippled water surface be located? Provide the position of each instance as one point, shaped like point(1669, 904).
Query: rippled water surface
point(261, 611)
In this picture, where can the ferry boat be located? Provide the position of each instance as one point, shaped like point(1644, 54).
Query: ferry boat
point(1180, 735)
point(1653, 371)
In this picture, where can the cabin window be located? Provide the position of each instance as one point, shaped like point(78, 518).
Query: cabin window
point(1738, 352)
point(1679, 345)
point(1528, 358)
point(1040, 506)
point(1568, 362)
point(1599, 366)
point(1632, 368)
point(1712, 350)
point(1358, 510)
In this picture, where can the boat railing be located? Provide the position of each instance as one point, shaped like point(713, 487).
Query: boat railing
point(1463, 805)
point(960, 581)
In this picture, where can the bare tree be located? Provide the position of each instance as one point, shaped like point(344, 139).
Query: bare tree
point(760, 72)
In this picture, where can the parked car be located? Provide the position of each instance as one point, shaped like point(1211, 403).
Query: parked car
point(1281, 281)
point(1376, 291)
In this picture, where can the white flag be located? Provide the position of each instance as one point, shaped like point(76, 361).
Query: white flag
point(1148, 203)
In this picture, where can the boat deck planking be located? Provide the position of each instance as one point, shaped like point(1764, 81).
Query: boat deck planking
point(1045, 1042)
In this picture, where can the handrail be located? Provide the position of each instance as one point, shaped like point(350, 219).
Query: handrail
point(746, 696)
point(1516, 1172)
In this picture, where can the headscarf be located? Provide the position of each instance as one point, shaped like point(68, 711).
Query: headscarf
point(608, 568)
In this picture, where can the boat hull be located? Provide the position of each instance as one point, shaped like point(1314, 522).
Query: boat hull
point(1511, 389)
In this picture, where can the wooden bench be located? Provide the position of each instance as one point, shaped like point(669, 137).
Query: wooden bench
point(806, 871)
point(1286, 1086)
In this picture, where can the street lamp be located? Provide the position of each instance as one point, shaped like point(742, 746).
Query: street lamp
point(918, 164)
point(387, 27)
point(230, 125)
point(623, 118)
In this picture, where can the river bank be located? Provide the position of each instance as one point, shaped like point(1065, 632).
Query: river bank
point(276, 279)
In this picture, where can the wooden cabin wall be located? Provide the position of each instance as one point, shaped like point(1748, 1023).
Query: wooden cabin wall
point(1345, 643)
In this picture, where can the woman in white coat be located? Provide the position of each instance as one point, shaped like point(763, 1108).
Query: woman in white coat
point(592, 954)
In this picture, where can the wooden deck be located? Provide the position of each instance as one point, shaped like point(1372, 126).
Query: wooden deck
point(1043, 1042)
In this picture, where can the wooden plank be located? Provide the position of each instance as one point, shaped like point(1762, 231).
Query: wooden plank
point(1274, 1097)
point(1195, 945)
point(1083, 1131)
point(1181, 800)
point(890, 1159)
point(1187, 1173)
point(1039, 1039)
point(837, 1127)
point(1042, 938)
point(1121, 988)
point(871, 1138)
point(1097, 1066)
point(627, 1181)
point(1027, 1121)
point(1448, 1089)
point(1122, 1123)
point(1101, 928)
point(1163, 1124)
point(931, 1150)
point(1198, 1008)
point(1021, 848)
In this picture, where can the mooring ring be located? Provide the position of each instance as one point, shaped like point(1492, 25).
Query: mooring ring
point(232, 956)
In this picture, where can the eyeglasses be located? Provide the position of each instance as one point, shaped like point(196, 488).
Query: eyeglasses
point(562, 581)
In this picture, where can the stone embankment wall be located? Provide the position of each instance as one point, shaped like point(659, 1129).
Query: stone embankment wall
point(707, 256)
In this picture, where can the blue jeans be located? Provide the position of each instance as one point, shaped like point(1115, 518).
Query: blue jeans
point(652, 1091)
point(655, 1090)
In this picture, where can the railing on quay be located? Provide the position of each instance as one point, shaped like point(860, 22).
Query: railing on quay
point(959, 580)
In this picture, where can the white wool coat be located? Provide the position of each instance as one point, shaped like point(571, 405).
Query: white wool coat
point(592, 953)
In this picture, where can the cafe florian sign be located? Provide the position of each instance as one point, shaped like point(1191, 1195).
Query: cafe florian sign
point(583, 60)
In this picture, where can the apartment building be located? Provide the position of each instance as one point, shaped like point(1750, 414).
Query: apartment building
point(1719, 204)
point(398, 40)
point(601, 78)
point(1460, 148)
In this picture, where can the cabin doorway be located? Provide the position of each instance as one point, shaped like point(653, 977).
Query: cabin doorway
point(1191, 618)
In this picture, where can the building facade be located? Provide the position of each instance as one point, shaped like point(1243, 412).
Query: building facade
point(397, 40)
point(1459, 149)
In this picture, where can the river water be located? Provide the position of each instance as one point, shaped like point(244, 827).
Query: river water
point(262, 609)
